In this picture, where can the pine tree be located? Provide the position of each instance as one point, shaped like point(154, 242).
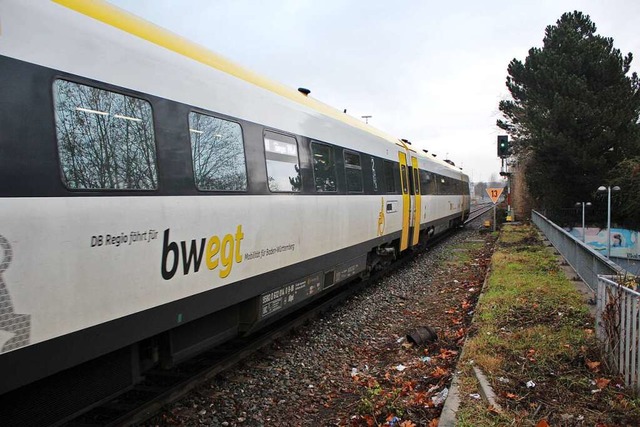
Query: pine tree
point(574, 111)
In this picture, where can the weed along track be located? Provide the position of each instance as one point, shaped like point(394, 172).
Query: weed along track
point(534, 341)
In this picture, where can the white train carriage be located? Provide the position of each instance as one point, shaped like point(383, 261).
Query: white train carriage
point(156, 199)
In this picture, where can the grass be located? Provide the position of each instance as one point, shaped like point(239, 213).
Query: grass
point(532, 325)
point(460, 254)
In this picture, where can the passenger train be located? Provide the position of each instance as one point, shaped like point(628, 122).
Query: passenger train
point(157, 199)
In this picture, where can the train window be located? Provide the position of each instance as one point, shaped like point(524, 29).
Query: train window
point(283, 167)
point(427, 182)
point(404, 179)
point(353, 170)
point(445, 186)
point(416, 181)
point(389, 177)
point(437, 185)
point(324, 167)
point(374, 175)
point(218, 154)
point(105, 139)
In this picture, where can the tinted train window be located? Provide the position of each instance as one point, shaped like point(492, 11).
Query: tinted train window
point(283, 167)
point(445, 185)
point(218, 153)
point(374, 174)
point(389, 177)
point(458, 186)
point(353, 169)
point(427, 182)
point(105, 139)
point(324, 167)
point(403, 179)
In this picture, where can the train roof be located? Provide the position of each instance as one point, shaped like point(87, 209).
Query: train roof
point(135, 25)
point(118, 18)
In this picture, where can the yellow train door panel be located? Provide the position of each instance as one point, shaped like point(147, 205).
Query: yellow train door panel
point(416, 202)
point(406, 200)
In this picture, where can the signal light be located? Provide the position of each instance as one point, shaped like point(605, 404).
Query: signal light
point(503, 146)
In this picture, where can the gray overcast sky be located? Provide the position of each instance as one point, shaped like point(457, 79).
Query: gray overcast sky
point(431, 72)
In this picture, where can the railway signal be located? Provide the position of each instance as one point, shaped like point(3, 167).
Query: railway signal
point(503, 146)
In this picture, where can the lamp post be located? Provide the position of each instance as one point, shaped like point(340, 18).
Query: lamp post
point(584, 205)
point(608, 189)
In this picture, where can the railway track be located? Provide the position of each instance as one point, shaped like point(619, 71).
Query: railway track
point(162, 387)
point(478, 210)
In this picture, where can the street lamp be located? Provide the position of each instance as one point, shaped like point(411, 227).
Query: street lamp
point(584, 204)
point(608, 189)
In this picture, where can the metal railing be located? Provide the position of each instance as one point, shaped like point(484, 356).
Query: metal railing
point(618, 328)
point(587, 263)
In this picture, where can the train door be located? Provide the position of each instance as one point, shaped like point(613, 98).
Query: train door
point(416, 203)
point(406, 200)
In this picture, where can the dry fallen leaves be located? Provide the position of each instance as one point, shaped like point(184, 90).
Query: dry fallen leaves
point(593, 366)
point(439, 372)
point(601, 383)
point(530, 355)
point(447, 354)
point(421, 398)
point(408, 386)
point(370, 420)
point(542, 423)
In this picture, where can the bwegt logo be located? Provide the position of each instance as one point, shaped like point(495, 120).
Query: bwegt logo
point(217, 252)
